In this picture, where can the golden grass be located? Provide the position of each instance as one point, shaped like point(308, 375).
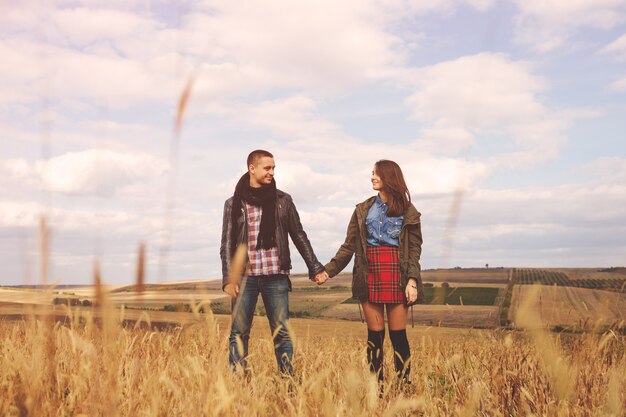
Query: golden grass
point(184, 371)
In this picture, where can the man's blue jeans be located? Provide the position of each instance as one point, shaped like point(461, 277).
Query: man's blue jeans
point(274, 290)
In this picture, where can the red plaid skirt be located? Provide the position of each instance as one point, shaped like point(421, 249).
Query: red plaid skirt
point(383, 275)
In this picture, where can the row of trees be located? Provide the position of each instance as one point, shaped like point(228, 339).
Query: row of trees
point(71, 301)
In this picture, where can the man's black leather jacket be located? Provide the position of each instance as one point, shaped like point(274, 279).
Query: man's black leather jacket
point(287, 223)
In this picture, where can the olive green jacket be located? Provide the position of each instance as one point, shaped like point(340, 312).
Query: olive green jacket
point(410, 250)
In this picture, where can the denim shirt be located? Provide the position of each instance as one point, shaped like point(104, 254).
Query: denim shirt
point(382, 230)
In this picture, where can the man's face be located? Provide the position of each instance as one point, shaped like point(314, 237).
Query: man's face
point(263, 172)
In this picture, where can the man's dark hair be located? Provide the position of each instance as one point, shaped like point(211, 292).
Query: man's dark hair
point(254, 156)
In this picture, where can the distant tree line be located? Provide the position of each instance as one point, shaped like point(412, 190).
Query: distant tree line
point(71, 301)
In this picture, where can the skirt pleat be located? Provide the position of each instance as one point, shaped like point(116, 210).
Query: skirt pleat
point(383, 275)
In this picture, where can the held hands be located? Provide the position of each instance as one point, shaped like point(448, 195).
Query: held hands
point(411, 291)
point(321, 277)
point(232, 290)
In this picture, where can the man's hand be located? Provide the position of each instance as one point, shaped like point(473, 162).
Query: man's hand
point(232, 290)
point(321, 277)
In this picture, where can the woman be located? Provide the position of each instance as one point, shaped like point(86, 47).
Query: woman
point(385, 235)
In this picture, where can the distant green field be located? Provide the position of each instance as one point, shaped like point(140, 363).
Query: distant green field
point(469, 296)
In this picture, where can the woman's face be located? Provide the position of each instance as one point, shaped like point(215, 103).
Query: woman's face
point(377, 183)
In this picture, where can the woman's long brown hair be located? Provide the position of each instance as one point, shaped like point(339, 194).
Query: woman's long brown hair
point(394, 186)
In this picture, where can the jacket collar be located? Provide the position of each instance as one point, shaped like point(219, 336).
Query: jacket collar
point(411, 216)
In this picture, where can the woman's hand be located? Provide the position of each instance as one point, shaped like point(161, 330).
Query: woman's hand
point(321, 278)
point(411, 291)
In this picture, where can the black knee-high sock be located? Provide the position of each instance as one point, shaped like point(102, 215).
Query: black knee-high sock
point(375, 341)
point(402, 352)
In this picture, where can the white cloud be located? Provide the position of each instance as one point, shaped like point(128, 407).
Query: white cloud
point(431, 175)
point(546, 25)
point(619, 84)
point(610, 170)
point(111, 235)
point(16, 168)
point(321, 47)
point(617, 47)
point(84, 26)
point(119, 58)
point(482, 91)
point(97, 171)
point(81, 222)
point(326, 46)
point(527, 226)
point(536, 205)
point(422, 7)
point(487, 94)
point(444, 137)
point(17, 73)
point(322, 163)
point(292, 117)
point(19, 214)
point(306, 185)
point(597, 13)
point(33, 70)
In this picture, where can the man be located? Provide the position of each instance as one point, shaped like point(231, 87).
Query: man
point(262, 217)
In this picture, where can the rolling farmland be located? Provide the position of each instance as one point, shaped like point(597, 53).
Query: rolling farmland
point(570, 306)
point(560, 278)
point(585, 299)
point(479, 298)
point(470, 301)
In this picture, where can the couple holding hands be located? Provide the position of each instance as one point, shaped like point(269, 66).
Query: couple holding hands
point(384, 235)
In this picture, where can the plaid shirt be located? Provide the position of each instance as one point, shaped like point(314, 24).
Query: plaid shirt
point(262, 261)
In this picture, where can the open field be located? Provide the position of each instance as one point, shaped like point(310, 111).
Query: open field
point(592, 273)
point(580, 278)
point(425, 315)
point(480, 290)
point(569, 306)
point(142, 361)
point(150, 297)
point(81, 370)
point(432, 315)
point(306, 300)
point(473, 275)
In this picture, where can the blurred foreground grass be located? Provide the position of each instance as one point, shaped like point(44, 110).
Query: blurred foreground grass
point(87, 368)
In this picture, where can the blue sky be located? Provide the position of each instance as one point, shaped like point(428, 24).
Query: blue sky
point(507, 117)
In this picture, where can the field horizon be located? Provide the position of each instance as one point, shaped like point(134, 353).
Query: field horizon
point(428, 275)
point(455, 297)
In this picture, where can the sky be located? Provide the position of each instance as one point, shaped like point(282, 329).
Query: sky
point(508, 119)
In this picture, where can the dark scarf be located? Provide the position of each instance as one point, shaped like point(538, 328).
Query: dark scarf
point(264, 197)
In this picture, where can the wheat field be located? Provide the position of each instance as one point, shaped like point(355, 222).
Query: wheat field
point(88, 367)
